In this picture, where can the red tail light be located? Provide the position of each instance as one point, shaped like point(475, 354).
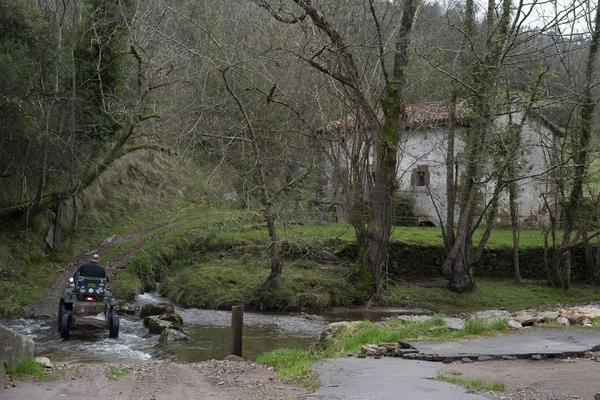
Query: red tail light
point(90, 298)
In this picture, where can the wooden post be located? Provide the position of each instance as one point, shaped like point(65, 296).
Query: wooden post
point(237, 323)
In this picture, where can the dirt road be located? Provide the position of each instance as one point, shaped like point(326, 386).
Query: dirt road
point(550, 379)
point(216, 380)
point(47, 305)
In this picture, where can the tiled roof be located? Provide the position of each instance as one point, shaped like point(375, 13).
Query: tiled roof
point(419, 115)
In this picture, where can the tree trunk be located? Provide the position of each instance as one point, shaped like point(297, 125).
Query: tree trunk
point(461, 278)
point(274, 247)
point(386, 152)
point(516, 245)
point(378, 234)
point(581, 145)
point(450, 179)
point(514, 223)
point(459, 260)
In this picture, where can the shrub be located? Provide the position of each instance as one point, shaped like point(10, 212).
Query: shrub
point(127, 285)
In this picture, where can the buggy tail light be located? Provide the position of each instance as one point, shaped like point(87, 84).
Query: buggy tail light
point(90, 298)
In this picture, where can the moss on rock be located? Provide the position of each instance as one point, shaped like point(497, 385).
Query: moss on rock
point(156, 309)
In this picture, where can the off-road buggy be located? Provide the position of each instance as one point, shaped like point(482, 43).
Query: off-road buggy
point(87, 302)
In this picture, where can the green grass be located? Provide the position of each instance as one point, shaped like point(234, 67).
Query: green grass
point(472, 384)
point(178, 218)
point(488, 294)
point(29, 269)
point(28, 368)
point(428, 236)
point(293, 365)
point(220, 282)
point(116, 373)
point(296, 365)
point(127, 285)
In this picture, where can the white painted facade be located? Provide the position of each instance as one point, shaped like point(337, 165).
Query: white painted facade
point(425, 149)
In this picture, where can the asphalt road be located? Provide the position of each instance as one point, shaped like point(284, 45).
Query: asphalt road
point(401, 379)
point(528, 341)
point(384, 379)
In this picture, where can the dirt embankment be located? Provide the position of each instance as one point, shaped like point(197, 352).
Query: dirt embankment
point(218, 380)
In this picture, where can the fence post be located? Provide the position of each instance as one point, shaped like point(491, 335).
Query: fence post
point(237, 323)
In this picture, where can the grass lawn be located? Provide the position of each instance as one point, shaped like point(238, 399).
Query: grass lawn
point(489, 294)
point(428, 236)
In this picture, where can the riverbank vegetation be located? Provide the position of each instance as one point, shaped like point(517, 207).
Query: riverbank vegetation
point(218, 260)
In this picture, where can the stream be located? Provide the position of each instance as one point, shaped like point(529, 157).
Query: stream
point(209, 332)
point(209, 335)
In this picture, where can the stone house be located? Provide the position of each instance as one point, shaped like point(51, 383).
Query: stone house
point(422, 162)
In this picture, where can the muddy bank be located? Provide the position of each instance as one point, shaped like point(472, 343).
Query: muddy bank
point(218, 380)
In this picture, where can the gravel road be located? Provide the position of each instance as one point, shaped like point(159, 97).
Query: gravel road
point(216, 380)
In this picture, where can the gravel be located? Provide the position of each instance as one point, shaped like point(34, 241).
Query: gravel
point(527, 395)
point(217, 380)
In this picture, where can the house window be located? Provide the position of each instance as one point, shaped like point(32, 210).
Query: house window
point(420, 176)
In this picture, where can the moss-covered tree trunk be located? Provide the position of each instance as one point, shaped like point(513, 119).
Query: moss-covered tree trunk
point(386, 143)
point(581, 159)
point(485, 67)
point(516, 233)
point(449, 234)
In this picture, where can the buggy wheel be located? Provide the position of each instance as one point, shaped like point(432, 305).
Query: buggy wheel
point(113, 327)
point(64, 324)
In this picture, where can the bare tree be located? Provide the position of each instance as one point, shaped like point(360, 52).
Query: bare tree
point(385, 119)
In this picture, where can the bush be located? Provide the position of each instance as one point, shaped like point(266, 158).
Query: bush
point(216, 285)
point(127, 285)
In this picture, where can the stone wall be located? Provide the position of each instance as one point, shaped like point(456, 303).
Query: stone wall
point(416, 262)
point(13, 346)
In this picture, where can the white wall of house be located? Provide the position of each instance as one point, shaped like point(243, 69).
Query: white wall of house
point(422, 172)
point(427, 147)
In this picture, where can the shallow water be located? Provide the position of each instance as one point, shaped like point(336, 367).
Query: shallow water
point(90, 344)
point(209, 331)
